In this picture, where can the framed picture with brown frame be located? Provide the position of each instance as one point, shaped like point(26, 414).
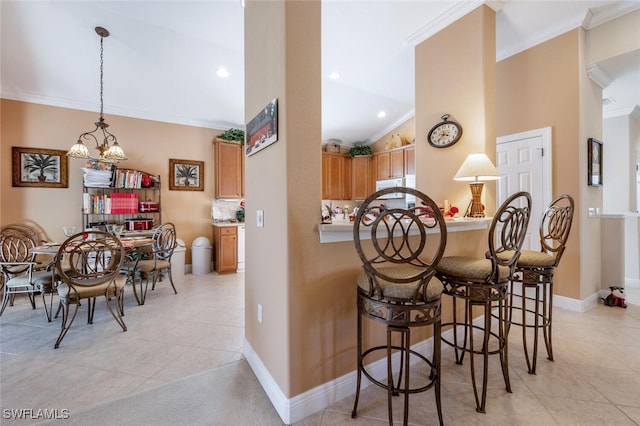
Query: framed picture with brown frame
point(38, 167)
point(186, 175)
point(594, 175)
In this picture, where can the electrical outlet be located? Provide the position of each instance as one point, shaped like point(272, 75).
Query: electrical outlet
point(260, 218)
point(260, 313)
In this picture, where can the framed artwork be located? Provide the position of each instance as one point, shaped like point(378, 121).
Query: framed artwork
point(594, 174)
point(262, 130)
point(186, 175)
point(47, 168)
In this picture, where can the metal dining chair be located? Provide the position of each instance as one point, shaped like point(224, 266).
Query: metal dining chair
point(534, 272)
point(142, 269)
point(20, 272)
point(89, 264)
point(399, 247)
point(484, 283)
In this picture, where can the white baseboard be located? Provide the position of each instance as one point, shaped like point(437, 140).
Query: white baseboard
point(294, 409)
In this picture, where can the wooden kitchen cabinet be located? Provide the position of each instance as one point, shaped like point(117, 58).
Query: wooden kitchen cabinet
point(336, 177)
point(229, 164)
point(225, 242)
point(410, 161)
point(389, 164)
point(361, 187)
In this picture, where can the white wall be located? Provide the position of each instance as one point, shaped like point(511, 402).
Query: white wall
point(619, 165)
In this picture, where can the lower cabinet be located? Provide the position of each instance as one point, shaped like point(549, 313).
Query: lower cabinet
point(225, 240)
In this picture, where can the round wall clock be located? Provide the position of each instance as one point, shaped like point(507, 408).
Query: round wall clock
point(445, 133)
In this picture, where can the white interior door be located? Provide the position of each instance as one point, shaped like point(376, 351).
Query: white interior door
point(524, 162)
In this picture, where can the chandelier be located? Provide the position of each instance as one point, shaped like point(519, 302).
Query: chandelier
point(100, 135)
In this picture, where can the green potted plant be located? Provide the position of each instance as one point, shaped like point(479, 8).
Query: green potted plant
point(359, 150)
point(232, 135)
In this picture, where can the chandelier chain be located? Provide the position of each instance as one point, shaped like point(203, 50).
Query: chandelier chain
point(101, 75)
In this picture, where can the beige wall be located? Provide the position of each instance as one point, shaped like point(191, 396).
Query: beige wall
point(456, 74)
point(537, 88)
point(147, 144)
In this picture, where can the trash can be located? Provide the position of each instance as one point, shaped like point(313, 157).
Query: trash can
point(201, 256)
point(178, 260)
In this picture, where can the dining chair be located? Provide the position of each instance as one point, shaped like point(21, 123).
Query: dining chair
point(399, 246)
point(158, 262)
point(89, 264)
point(534, 272)
point(483, 283)
point(20, 272)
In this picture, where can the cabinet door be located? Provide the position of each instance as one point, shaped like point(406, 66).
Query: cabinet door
point(346, 178)
point(361, 178)
point(409, 161)
point(228, 163)
point(325, 176)
point(335, 178)
point(396, 164)
point(382, 166)
point(226, 247)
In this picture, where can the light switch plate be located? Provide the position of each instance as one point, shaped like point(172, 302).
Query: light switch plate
point(260, 218)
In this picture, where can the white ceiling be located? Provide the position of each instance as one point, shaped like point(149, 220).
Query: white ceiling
point(160, 58)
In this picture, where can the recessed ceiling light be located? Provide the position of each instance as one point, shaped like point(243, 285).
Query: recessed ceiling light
point(334, 75)
point(382, 114)
point(222, 72)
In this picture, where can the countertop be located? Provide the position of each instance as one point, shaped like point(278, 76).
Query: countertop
point(222, 224)
point(342, 230)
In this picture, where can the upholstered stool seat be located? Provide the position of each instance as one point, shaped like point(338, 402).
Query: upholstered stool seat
point(531, 289)
point(470, 267)
point(399, 248)
point(401, 291)
point(483, 283)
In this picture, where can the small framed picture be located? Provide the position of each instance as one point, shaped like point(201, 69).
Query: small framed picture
point(39, 167)
point(186, 175)
point(262, 130)
point(594, 174)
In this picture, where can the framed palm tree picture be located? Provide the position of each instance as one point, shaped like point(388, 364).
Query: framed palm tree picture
point(39, 167)
point(186, 175)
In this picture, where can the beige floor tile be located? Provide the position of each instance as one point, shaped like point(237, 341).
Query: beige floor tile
point(595, 378)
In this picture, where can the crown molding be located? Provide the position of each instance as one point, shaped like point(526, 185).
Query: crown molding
point(612, 11)
point(457, 11)
point(599, 76)
point(390, 127)
point(633, 111)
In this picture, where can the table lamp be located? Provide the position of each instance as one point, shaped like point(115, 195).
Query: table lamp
point(477, 168)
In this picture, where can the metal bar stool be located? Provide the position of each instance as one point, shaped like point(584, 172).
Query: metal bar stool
point(535, 271)
point(397, 287)
point(484, 283)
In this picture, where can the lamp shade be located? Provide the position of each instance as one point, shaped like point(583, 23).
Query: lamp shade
point(477, 167)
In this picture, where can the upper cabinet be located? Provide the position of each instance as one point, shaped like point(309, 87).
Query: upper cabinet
point(410, 161)
point(362, 187)
point(389, 164)
point(336, 177)
point(229, 164)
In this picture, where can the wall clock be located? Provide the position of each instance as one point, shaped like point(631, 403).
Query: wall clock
point(445, 133)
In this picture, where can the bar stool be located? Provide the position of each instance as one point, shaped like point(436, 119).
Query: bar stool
point(397, 287)
point(534, 271)
point(484, 283)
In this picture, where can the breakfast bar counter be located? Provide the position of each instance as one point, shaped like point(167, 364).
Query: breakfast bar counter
point(342, 230)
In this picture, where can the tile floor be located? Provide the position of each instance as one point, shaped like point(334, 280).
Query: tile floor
point(595, 379)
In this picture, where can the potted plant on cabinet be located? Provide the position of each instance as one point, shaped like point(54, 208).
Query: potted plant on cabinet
point(359, 150)
point(235, 135)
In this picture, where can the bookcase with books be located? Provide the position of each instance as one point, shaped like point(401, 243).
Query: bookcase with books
point(119, 196)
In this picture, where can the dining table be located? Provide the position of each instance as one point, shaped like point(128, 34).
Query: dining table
point(135, 247)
